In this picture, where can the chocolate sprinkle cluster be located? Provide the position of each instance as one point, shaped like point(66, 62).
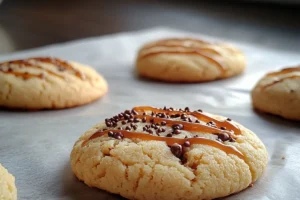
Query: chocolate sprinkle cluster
point(129, 118)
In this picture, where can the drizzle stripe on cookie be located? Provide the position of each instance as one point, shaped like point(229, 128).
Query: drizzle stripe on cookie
point(24, 75)
point(179, 41)
point(61, 65)
point(159, 118)
point(281, 80)
point(190, 52)
point(199, 115)
point(190, 46)
point(29, 63)
point(284, 71)
point(170, 141)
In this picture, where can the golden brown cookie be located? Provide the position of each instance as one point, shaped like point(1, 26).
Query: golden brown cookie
point(189, 60)
point(48, 83)
point(152, 153)
point(278, 93)
point(8, 190)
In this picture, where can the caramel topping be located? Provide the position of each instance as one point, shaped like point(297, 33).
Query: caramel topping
point(189, 48)
point(187, 126)
point(195, 127)
point(178, 41)
point(170, 141)
point(25, 63)
point(285, 71)
point(24, 75)
point(281, 80)
point(61, 65)
point(220, 65)
point(185, 43)
point(157, 119)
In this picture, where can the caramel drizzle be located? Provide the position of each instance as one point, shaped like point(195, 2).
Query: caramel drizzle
point(281, 80)
point(166, 41)
point(187, 126)
point(62, 65)
point(190, 52)
point(170, 141)
point(26, 75)
point(285, 71)
point(193, 49)
point(198, 115)
point(203, 49)
point(181, 43)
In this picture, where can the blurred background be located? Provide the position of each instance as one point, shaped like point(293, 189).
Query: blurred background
point(26, 24)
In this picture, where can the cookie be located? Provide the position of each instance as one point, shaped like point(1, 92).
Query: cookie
point(152, 153)
point(278, 93)
point(189, 60)
point(48, 83)
point(8, 190)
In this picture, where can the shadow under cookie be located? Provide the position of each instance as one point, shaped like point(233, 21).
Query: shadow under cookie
point(77, 190)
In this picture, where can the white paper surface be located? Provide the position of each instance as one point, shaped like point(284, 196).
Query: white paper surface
point(35, 146)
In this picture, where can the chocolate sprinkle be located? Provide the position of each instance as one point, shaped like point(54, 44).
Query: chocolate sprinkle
point(110, 133)
point(176, 149)
point(187, 144)
point(127, 112)
point(183, 116)
point(144, 119)
point(177, 126)
point(223, 136)
point(134, 112)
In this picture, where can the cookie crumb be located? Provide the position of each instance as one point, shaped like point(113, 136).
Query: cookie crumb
point(251, 185)
point(283, 157)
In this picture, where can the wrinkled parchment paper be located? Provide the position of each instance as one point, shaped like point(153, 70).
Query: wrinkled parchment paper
point(35, 146)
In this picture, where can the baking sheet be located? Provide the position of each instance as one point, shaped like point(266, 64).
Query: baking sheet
point(35, 146)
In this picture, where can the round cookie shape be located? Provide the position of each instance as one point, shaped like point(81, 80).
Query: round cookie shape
point(166, 153)
point(189, 60)
point(48, 83)
point(278, 93)
point(8, 190)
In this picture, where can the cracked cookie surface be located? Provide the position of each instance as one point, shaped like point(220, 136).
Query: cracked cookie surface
point(152, 153)
point(189, 60)
point(278, 93)
point(8, 189)
point(48, 83)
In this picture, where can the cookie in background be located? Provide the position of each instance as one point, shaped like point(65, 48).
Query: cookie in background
point(48, 83)
point(278, 93)
point(189, 60)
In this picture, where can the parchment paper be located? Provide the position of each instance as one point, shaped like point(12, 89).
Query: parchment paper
point(35, 146)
